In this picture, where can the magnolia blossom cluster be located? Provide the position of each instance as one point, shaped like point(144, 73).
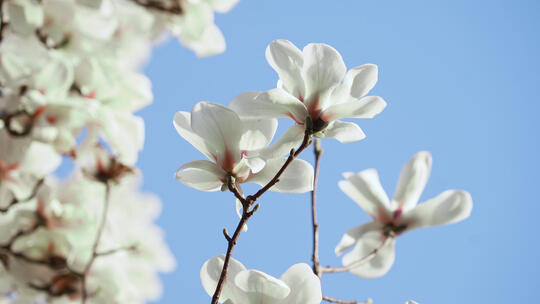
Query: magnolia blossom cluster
point(316, 91)
point(70, 86)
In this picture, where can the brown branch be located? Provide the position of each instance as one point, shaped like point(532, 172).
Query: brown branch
point(364, 259)
point(26, 199)
point(99, 233)
point(116, 250)
point(3, 23)
point(173, 7)
point(318, 151)
point(247, 203)
point(334, 300)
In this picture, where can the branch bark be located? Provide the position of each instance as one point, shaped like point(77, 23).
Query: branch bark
point(247, 212)
point(318, 151)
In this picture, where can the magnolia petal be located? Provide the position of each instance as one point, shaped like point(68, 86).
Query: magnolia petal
point(367, 107)
point(124, 132)
point(218, 125)
point(182, 123)
point(305, 285)
point(376, 266)
point(211, 271)
point(271, 104)
point(40, 159)
point(257, 133)
point(357, 82)
point(202, 175)
point(413, 180)
point(449, 207)
point(352, 236)
point(287, 60)
point(290, 140)
point(365, 189)
point(323, 69)
point(261, 287)
point(345, 132)
point(297, 178)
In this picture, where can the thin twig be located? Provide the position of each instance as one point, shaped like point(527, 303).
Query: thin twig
point(334, 300)
point(116, 250)
point(26, 199)
point(99, 233)
point(318, 151)
point(172, 8)
point(364, 259)
point(247, 203)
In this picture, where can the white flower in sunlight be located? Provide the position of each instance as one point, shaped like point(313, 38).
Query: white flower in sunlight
point(298, 285)
point(228, 141)
point(314, 83)
point(392, 218)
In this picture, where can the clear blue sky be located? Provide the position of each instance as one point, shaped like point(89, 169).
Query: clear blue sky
point(461, 79)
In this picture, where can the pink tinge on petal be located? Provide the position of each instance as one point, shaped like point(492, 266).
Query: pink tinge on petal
point(6, 169)
point(42, 91)
point(243, 153)
point(301, 98)
point(228, 162)
point(295, 120)
point(91, 95)
point(52, 119)
point(382, 215)
point(397, 213)
point(39, 111)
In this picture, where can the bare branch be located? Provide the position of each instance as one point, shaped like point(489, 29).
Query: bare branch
point(247, 203)
point(172, 7)
point(366, 258)
point(318, 151)
point(334, 300)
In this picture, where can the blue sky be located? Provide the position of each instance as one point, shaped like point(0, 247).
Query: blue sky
point(461, 80)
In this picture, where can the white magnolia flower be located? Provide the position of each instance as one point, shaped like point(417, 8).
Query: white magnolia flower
point(298, 285)
point(392, 218)
point(228, 141)
point(314, 83)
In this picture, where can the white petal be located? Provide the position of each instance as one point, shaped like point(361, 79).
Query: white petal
point(258, 133)
point(413, 180)
point(261, 287)
point(202, 175)
point(290, 140)
point(40, 160)
point(352, 236)
point(124, 132)
point(323, 69)
point(378, 265)
point(449, 207)
point(218, 125)
point(271, 104)
point(305, 285)
point(367, 107)
point(365, 189)
point(345, 132)
point(364, 78)
point(211, 271)
point(287, 60)
point(182, 123)
point(297, 178)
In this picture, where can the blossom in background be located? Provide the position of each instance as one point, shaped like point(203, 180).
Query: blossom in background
point(392, 218)
point(132, 258)
point(314, 84)
point(298, 285)
point(228, 141)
